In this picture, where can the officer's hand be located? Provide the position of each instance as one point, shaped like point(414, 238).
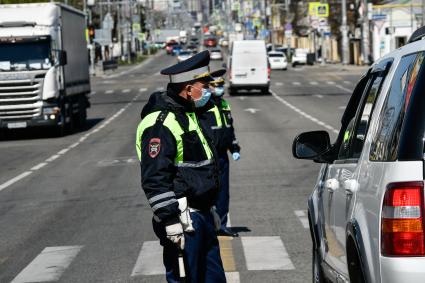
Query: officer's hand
point(236, 156)
point(175, 234)
point(216, 217)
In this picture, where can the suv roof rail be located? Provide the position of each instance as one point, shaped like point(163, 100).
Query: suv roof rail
point(417, 35)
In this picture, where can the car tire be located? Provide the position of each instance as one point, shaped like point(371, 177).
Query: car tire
point(317, 276)
point(355, 269)
point(265, 90)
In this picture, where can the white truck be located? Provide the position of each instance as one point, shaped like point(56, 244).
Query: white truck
point(44, 67)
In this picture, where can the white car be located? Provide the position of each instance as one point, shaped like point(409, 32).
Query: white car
point(184, 55)
point(299, 57)
point(367, 210)
point(277, 60)
point(215, 54)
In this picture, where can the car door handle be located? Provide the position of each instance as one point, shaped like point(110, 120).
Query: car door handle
point(253, 69)
point(351, 186)
point(332, 185)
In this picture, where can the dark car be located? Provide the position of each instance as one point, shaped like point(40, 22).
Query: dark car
point(210, 42)
point(170, 46)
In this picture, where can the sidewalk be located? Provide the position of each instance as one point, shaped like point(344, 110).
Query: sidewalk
point(126, 69)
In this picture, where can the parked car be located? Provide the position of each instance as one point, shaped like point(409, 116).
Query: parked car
point(277, 60)
point(169, 46)
point(176, 49)
point(184, 55)
point(366, 212)
point(210, 42)
point(192, 48)
point(249, 67)
point(215, 54)
point(299, 57)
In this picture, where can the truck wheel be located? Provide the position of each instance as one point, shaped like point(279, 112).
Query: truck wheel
point(265, 90)
point(232, 91)
point(317, 267)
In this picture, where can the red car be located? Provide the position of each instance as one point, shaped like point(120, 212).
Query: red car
point(210, 42)
point(170, 45)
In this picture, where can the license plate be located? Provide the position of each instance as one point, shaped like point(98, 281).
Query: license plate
point(241, 76)
point(276, 60)
point(17, 125)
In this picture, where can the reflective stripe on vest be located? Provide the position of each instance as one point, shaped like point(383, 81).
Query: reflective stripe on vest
point(219, 122)
point(171, 123)
point(225, 106)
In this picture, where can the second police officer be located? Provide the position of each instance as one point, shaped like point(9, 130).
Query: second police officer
point(180, 173)
point(217, 122)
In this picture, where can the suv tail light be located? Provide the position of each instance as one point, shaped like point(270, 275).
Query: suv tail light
point(268, 72)
point(402, 227)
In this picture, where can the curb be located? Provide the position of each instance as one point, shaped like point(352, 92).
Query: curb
point(159, 53)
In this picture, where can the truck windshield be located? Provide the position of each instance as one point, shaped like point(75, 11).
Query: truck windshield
point(22, 56)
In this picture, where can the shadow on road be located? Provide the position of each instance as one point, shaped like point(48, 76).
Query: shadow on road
point(43, 133)
point(241, 229)
point(249, 93)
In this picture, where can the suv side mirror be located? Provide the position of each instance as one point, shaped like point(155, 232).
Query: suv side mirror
point(311, 145)
point(63, 59)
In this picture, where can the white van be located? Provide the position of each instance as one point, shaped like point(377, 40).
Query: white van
point(248, 66)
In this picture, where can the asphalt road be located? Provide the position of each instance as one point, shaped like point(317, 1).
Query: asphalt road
point(72, 210)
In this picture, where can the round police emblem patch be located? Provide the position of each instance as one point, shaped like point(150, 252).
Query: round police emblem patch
point(154, 147)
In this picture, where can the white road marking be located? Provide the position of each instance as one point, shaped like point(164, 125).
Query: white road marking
point(149, 261)
point(302, 113)
point(63, 151)
point(330, 83)
point(318, 95)
point(38, 166)
point(51, 158)
point(109, 91)
point(126, 90)
point(92, 93)
point(14, 180)
point(302, 216)
point(160, 88)
point(296, 83)
point(56, 156)
point(279, 84)
point(347, 82)
point(241, 98)
point(344, 89)
point(143, 89)
point(266, 253)
point(49, 265)
point(252, 110)
point(314, 83)
point(233, 277)
point(342, 107)
point(229, 223)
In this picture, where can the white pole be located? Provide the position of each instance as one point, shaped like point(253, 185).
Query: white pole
point(344, 31)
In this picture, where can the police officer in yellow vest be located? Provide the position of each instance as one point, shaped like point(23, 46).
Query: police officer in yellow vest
point(217, 121)
point(180, 173)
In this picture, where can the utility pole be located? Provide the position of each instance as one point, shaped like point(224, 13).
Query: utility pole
point(344, 31)
point(365, 33)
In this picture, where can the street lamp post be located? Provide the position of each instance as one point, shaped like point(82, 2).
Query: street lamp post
point(344, 30)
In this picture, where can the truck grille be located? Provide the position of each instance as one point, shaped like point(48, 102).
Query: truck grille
point(20, 99)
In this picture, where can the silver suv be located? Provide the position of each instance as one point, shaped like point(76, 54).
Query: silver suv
point(367, 209)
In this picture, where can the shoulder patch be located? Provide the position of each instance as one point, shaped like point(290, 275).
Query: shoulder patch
point(154, 147)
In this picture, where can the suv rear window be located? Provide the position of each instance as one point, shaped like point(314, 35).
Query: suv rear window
point(386, 140)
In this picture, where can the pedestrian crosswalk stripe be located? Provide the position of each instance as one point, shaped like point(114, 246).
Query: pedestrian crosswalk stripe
point(143, 89)
point(296, 83)
point(314, 83)
point(279, 84)
point(330, 83)
point(266, 253)
point(48, 265)
point(347, 82)
point(109, 91)
point(233, 277)
point(126, 90)
point(302, 216)
point(149, 261)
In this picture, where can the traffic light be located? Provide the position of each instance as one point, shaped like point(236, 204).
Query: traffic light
point(91, 33)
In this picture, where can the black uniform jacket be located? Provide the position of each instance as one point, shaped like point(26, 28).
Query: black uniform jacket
point(161, 177)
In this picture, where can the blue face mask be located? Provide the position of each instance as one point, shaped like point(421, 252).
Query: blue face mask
point(219, 91)
point(206, 95)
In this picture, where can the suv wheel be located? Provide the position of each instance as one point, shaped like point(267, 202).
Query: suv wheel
point(317, 267)
point(355, 269)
